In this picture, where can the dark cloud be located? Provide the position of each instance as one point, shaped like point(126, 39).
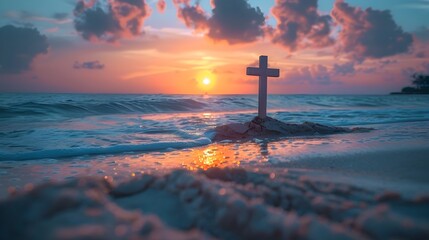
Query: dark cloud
point(27, 17)
point(90, 65)
point(370, 70)
point(60, 16)
point(18, 47)
point(22, 15)
point(420, 54)
point(110, 20)
point(369, 33)
point(193, 17)
point(234, 21)
point(344, 69)
point(386, 62)
point(299, 25)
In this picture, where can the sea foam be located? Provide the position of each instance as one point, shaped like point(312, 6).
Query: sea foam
point(115, 149)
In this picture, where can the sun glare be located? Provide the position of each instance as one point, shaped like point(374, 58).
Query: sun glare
point(206, 81)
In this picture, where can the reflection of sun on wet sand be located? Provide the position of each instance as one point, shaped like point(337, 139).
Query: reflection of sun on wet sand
point(302, 152)
point(215, 156)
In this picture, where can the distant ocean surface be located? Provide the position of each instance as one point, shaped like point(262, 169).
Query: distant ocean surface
point(40, 126)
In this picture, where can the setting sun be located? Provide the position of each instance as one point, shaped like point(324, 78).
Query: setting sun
point(206, 81)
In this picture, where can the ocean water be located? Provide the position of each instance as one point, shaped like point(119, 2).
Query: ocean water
point(57, 126)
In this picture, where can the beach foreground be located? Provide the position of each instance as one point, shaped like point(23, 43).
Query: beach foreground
point(344, 197)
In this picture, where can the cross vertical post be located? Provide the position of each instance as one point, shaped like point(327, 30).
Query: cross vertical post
point(263, 88)
point(263, 72)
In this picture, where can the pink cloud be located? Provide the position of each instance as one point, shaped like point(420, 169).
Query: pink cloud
point(313, 74)
point(161, 5)
point(231, 21)
point(300, 25)
point(369, 33)
point(110, 20)
point(193, 17)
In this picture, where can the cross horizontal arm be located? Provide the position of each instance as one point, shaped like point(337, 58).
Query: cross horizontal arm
point(252, 71)
point(272, 72)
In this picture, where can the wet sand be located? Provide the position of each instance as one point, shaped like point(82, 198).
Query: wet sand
point(340, 187)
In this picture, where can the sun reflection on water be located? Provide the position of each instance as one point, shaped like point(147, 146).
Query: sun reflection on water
point(212, 156)
point(116, 168)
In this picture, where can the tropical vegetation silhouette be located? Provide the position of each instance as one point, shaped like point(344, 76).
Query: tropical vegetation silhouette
point(420, 85)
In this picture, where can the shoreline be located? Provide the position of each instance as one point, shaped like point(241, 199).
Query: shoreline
point(403, 169)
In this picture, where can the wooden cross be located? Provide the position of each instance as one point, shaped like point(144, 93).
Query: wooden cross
point(263, 72)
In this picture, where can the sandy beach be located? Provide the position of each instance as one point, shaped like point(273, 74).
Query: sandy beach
point(167, 176)
point(225, 190)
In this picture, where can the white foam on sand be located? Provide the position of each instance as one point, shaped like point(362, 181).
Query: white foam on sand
point(114, 149)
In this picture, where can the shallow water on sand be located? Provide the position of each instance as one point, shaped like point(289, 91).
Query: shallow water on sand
point(258, 153)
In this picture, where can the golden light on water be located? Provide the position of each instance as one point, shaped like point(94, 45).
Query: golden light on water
point(117, 168)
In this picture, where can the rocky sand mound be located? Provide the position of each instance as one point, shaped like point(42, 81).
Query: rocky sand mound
point(212, 204)
point(270, 127)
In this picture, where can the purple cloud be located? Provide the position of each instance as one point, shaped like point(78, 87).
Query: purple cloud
point(369, 33)
point(60, 16)
point(110, 20)
point(344, 69)
point(18, 48)
point(314, 74)
point(90, 65)
point(299, 25)
point(161, 5)
point(233, 21)
point(193, 17)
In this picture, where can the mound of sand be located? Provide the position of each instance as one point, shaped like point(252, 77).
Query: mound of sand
point(270, 127)
point(217, 203)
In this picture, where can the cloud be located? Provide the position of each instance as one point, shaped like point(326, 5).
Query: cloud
point(102, 20)
point(233, 21)
point(26, 17)
point(90, 65)
point(417, 4)
point(193, 16)
point(19, 46)
point(386, 62)
point(369, 33)
point(313, 74)
point(21, 15)
point(420, 54)
point(60, 16)
point(161, 5)
point(299, 25)
point(344, 69)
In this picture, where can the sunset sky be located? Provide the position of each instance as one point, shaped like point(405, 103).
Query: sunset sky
point(171, 46)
